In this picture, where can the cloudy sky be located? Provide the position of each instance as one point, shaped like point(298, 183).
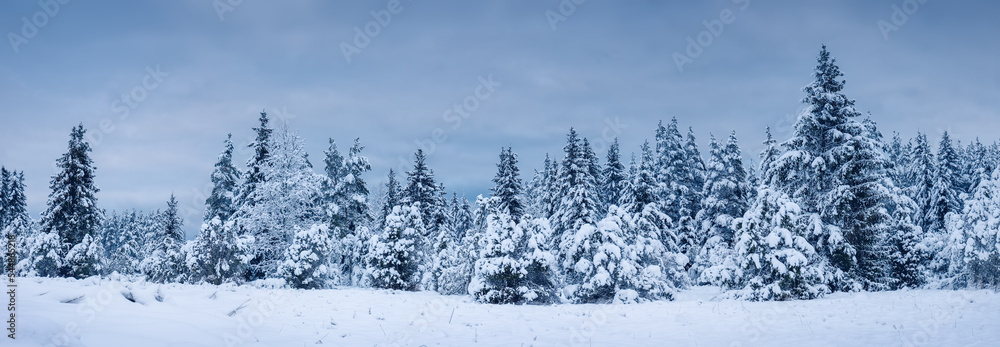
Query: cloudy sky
point(159, 84)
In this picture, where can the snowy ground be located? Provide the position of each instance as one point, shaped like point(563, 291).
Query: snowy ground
point(96, 312)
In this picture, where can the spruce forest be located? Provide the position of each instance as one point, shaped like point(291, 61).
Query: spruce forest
point(837, 207)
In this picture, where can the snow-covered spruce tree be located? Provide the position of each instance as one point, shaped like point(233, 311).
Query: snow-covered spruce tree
point(123, 239)
point(772, 258)
point(216, 254)
point(248, 197)
point(616, 262)
point(307, 264)
point(726, 198)
point(507, 186)
point(437, 245)
point(284, 201)
point(357, 215)
point(973, 249)
point(899, 159)
point(421, 189)
point(514, 266)
point(615, 178)
point(394, 257)
point(85, 258)
point(455, 249)
point(697, 167)
point(907, 257)
point(225, 182)
point(676, 178)
point(17, 221)
point(449, 270)
point(71, 211)
point(944, 196)
point(976, 166)
point(835, 167)
point(254, 175)
point(920, 178)
point(393, 197)
point(549, 201)
point(650, 232)
point(333, 163)
point(578, 197)
point(167, 263)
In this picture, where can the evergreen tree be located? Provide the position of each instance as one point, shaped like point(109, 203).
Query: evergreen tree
point(257, 164)
point(899, 159)
point(166, 264)
point(726, 198)
point(225, 181)
point(72, 211)
point(17, 221)
point(615, 261)
point(974, 243)
point(421, 189)
point(217, 254)
point(697, 168)
point(920, 176)
point(86, 258)
point(394, 254)
point(307, 263)
point(507, 188)
point(513, 265)
point(355, 212)
point(977, 166)
point(836, 167)
point(285, 200)
point(578, 200)
point(548, 191)
point(615, 179)
point(768, 156)
point(393, 197)
point(773, 260)
point(945, 192)
point(643, 186)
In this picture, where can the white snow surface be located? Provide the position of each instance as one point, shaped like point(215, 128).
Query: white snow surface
point(96, 312)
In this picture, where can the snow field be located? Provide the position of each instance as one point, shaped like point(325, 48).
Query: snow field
point(95, 312)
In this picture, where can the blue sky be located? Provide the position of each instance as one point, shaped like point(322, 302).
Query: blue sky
point(605, 67)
